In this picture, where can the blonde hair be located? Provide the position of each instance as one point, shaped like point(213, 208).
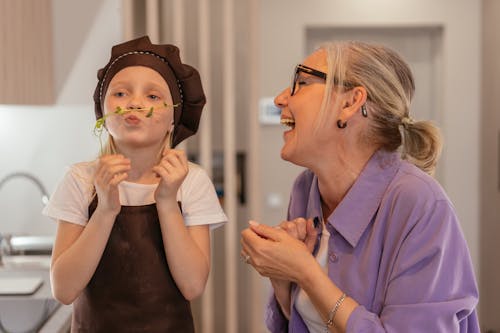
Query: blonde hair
point(390, 87)
point(110, 147)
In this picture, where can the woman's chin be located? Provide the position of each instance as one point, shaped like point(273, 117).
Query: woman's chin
point(286, 155)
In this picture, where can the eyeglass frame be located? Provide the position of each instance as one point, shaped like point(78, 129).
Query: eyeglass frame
point(300, 68)
point(304, 69)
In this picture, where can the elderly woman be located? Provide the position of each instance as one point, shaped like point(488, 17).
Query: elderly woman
point(371, 242)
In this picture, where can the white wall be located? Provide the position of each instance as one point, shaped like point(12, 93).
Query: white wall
point(45, 140)
point(282, 34)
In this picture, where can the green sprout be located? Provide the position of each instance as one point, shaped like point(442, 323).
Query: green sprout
point(99, 124)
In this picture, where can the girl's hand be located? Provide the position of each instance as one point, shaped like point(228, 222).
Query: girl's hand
point(274, 253)
point(173, 169)
point(111, 170)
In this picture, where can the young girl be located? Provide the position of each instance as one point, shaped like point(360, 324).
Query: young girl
point(133, 245)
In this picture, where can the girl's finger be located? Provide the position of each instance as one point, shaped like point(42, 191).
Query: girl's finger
point(109, 174)
point(161, 171)
point(165, 165)
point(174, 160)
point(118, 178)
point(178, 155)
point(111, 161)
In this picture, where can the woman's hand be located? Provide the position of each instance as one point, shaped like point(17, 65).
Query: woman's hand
point(301, 229)
point(111, 170)
point(172, 169)
point(276, 254)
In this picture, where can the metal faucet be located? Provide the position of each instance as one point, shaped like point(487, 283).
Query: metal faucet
point(43, 191)
point(45, 199)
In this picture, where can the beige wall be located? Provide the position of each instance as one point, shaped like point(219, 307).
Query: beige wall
point(490, 168)
point(26, 56)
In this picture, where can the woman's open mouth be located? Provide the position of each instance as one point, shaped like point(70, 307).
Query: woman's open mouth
point(288, 123)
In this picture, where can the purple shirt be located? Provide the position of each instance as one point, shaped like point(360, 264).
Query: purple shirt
point(396, 247)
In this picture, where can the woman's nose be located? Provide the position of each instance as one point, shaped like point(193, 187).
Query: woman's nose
point(282, 99)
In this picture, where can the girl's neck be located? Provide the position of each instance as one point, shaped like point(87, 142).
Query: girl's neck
point(142, 162)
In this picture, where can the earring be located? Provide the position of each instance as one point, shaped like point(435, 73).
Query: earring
point(340, 124)
point(363, 111)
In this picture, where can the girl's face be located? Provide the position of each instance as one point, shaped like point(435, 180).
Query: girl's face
point(303, 144)
point(135, 90)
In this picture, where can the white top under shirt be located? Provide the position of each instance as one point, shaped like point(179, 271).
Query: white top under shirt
point(71, 199)
point(303, 303)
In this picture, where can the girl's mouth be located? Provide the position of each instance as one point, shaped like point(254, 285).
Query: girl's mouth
point(132, 119)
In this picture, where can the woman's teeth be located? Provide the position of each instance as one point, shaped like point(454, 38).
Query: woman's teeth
point(288, 122)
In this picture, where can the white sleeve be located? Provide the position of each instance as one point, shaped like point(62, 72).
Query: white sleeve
point(199, 201)
point(71, 198)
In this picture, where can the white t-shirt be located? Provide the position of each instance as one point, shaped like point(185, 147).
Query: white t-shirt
point(303, 303)
point(71, 200)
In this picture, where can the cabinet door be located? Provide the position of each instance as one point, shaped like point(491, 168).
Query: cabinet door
point(26, 57)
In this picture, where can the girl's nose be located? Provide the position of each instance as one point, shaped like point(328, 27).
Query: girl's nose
point(135, 103)
point(282, 99)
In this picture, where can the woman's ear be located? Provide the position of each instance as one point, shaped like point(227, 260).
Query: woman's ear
point(354, 99)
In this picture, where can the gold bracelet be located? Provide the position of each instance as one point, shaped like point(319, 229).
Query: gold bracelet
point(333, 312)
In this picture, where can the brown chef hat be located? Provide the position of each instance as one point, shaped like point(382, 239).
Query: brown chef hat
point(183, 81)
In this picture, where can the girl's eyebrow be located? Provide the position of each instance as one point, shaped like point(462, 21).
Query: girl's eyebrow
point(160, 88)
point(153, 85)
point(119, 84)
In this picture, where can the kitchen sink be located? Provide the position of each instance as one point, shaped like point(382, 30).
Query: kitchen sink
point(26, 301)
point(26, 244)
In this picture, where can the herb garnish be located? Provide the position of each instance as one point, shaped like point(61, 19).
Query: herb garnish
point(99, 124)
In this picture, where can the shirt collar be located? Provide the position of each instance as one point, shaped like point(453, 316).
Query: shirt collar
point(355, 212)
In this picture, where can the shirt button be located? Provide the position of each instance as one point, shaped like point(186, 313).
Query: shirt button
point(333, 257)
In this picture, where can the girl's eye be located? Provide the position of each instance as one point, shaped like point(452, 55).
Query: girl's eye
point(119, 94)
point(153, 97)
point(302, 82)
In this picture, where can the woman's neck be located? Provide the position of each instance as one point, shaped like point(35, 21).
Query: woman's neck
point(336, 177)
point(333, 187)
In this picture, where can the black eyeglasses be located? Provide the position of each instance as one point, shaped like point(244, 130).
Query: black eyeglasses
point(311, 71)
point(304, 69)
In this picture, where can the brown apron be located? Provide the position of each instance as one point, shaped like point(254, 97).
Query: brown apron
point(132, 289)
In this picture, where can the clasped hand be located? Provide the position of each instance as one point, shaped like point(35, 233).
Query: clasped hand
point(281, 252)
